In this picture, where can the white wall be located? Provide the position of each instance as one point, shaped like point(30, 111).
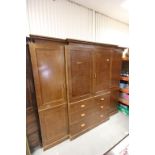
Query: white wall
point(65, 19)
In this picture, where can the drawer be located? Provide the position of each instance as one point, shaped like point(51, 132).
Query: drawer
point(80, 115)
point(102, 104)
point(103, 99)
point(79, 127)
point(82, 105)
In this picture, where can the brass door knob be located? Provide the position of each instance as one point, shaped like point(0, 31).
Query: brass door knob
point(101, 116)
point(82, 125)
point(82, 115)
point(82, 106)
point(101, 107)
point(102, 99)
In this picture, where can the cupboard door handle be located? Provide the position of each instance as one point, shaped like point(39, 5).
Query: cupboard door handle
point(94, 75)
point(101, 116)
point(82, 106)
point(82, 125)
point(82, 115)
point(102, 99)
point(101, 107)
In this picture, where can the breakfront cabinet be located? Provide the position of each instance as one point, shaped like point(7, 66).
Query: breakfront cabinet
point(76, 85)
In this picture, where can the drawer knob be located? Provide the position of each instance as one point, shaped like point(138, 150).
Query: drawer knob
point(82, 106)
point(101, 106)
point(78, 62)
point(101, 116)
point(82, 115)
point(102, 99)
point(82, 125)
point(107, 59)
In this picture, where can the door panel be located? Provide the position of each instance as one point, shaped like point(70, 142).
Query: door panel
point(51, 70)
point(116, 68)
point(102, 60)
point(54, 124)
point(80, 73)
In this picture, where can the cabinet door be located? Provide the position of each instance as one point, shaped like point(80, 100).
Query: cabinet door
point(54, 125)
point(102, 60)
point(113, 101)
point(116, 68)
point(49, 73)
point(49, 77)
point(80, 72)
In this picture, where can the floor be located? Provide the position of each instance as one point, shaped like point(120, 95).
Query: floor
point(121, 148)
point(95, 142)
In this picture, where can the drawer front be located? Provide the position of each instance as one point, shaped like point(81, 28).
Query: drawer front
point(80, 115)
point(81, 106)
point(80, 126)
point(102, 104)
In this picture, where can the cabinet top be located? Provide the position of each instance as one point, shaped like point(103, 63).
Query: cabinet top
point(37, 37)
point(69, 40)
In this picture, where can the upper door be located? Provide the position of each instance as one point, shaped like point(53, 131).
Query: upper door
point(102, 61)
point(116, 68)
point(49, 73)
point(79, 59)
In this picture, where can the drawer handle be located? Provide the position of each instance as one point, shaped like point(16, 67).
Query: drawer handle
point(108, 59)
point(82, 115)
point(101, 116)
point(82, 106)
point(101, 107)
point(102, 99)
point(79, 62)
point(82, 125)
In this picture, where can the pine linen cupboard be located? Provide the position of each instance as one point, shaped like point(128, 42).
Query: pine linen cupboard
point(76, 84)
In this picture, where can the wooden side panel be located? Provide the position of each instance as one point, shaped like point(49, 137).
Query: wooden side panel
point(116, 68)
point(102, 60)
point(113, 101)
point(32, 118)
point(79, 72)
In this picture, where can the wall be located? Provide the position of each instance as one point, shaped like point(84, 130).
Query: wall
point(65, 19)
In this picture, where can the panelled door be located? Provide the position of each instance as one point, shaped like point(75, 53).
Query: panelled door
point(102, 60)
point(79, 60)
point(116, 68)
point(49, 68)
point(48, 61)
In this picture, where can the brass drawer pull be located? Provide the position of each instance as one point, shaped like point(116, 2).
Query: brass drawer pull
point(101, 106)
point(82, 125)
point(82, 115)
point(102, 99)
point(82, 106)
point(101, 116)
point(108, 59)
point(79, 62)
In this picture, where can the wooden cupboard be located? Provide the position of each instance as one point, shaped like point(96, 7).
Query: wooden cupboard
point(48, 61)
point(76, 85)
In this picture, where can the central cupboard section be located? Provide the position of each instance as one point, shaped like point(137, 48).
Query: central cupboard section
point(76, 84)
point(89, 81)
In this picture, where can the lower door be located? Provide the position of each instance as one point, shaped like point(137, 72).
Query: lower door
point(54, 125)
